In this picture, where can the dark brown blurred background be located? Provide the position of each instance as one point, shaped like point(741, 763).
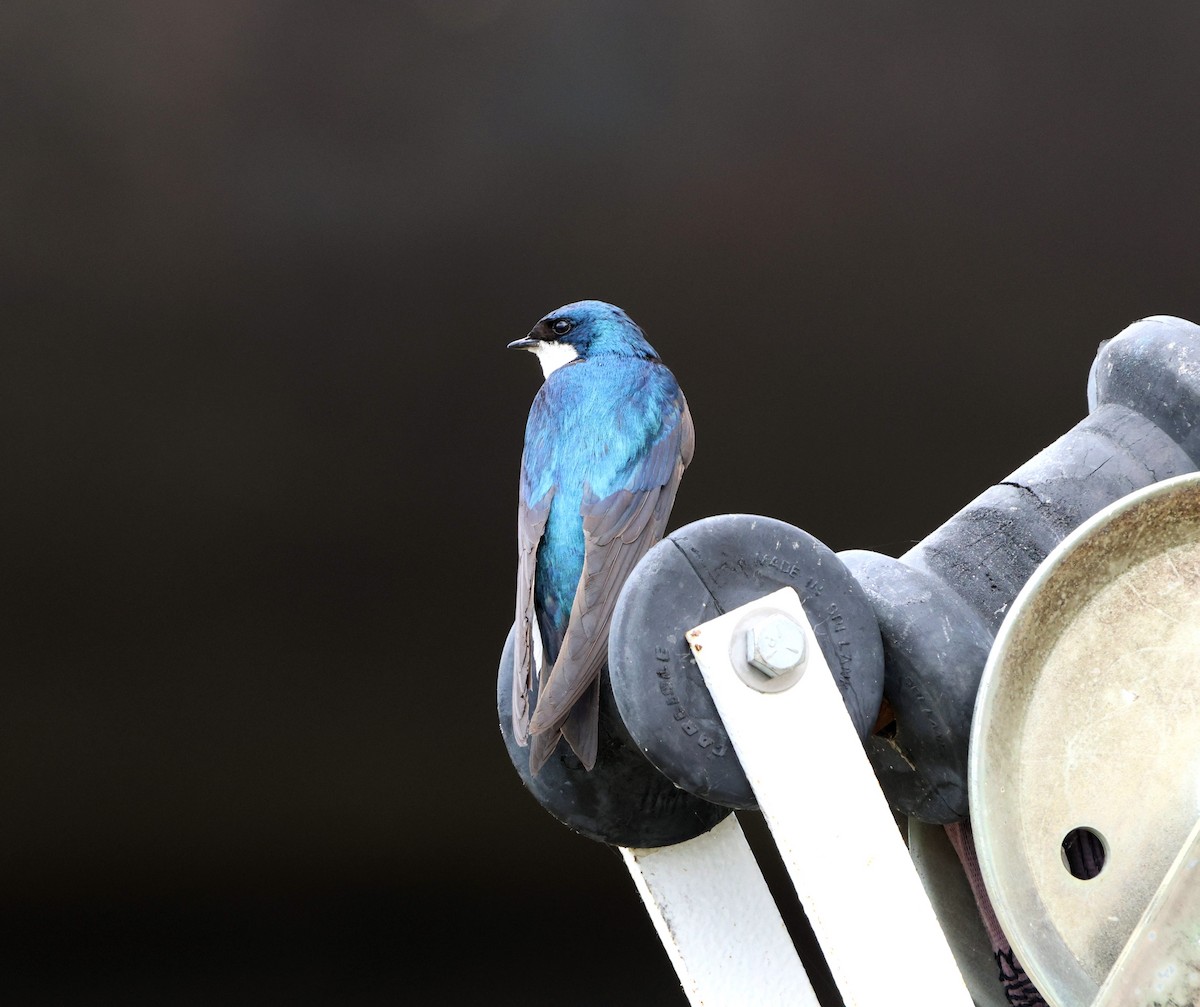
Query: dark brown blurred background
point(259, 264)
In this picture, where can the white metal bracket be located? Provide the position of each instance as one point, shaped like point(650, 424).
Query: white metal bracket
point(718, 921)
point(835, 834)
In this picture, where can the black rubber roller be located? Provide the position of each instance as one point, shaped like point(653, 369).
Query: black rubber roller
point(934, 648)
point(700, 572)
point(624, 800)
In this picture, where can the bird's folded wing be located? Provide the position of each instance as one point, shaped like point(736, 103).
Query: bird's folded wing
point(531, 522)
point(618, 531)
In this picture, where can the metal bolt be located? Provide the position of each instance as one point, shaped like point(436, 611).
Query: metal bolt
point(776, 646)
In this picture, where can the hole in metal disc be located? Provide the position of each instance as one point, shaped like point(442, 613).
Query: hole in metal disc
point(1084, 852)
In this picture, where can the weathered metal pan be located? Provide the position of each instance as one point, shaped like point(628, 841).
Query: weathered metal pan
point(1087, 730)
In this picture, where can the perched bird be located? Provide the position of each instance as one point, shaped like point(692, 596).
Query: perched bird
point(608, 437)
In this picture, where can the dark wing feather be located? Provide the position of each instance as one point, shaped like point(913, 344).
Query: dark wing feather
point(618, 531)
point(531, 522)
point(582, 726)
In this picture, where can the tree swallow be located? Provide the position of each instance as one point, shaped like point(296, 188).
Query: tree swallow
point(608, 437)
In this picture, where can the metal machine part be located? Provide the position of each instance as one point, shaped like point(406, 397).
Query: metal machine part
point(701, 571)
point(1160, 964)
point(1087, 735)
point(803, 756)
point(939, 604)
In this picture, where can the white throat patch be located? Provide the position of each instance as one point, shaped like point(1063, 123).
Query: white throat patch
point(552, 355)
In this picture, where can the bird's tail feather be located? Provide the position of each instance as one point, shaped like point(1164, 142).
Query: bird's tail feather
point(581, 728)
point(541, 747)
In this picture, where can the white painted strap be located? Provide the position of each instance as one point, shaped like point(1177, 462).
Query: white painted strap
point(718, 922)
point(830, 821)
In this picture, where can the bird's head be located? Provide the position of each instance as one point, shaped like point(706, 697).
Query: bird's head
point(582, 330)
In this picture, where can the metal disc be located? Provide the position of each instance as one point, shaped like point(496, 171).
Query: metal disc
point(1088, 724)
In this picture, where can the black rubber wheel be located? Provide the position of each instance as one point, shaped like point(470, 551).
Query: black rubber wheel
point(935, 648)
point(623, 801)
point(695, 574)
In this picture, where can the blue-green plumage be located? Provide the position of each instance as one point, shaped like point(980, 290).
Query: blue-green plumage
point(607, 439)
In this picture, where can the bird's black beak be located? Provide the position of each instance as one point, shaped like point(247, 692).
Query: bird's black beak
point(527, 343)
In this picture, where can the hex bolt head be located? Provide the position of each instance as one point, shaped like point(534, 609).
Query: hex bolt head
point(775, 646)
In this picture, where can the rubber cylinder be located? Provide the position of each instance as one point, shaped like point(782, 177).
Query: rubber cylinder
point(624, 800)
point(695, 574)
point(1144, 426)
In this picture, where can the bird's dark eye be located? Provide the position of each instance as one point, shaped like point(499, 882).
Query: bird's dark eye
point(562, 326)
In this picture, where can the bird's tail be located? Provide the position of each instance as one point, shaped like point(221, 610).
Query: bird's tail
point(580, 728)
